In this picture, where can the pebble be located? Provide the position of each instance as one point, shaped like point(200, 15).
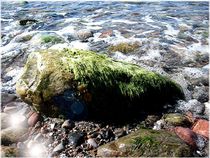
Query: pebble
point(106, 34)
point(201, 127)
point(68, 124)
point(76, 138)
point(207, 108)
point(4, 120)
point(38, 137)
point(59, 148)
point(192, 105)
point(6, 98)
point(176, 119)
point(186, 135)
point(92, 142)
point(119, 132)
point(33, 119)
point(83, 35)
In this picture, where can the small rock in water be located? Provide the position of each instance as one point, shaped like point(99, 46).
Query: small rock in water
point(76, 138)
point(59, 148)
point(186, 135)
point(27, 21)
point(12, 135)
point(7, 151)
point(192, 105)
point(6, 98)
point(201, 127)
point(119, 132)
point(5, 118)
point(38, 137)
point(92, 142)
point(201, 93)
point(13, 107)
point(33, 119)
point(207, 108)
point(106, 34)
point(176, 119)
point(68, 124)
point(83, 35)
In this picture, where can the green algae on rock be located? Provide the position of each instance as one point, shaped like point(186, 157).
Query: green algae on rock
point(146, 143)
point(104, 85)
point(51, 39)
point(125, 47)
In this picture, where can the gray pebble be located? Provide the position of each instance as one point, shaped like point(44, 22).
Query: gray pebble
point(92, 143)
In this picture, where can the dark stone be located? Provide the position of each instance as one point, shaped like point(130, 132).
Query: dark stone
point(76, 138)
point(27, 21)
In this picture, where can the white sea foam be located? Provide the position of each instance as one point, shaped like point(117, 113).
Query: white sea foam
point(170, 30)
point(124, 21)
point(148, 19)
point(68, 29)
point(151, 55)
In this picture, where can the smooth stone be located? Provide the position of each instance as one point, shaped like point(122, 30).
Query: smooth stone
point(201, 127)
point(13, 107)
point(119, 132)
point(83, 35)
point(92, 143)
point(207, 108)
point(10, 109)
point(38, 137)
point(9, 151)
point(146, 143)
point(24, 37)
point(68, 124)
point(76, 138)
point(5, 118)
point(106, 34)
point(33, 119)
point(6, 98)
point(12, 135)
point(187, 135)
point(192, 105)
point(176, 119)
point(59, 148)
point(200, 93)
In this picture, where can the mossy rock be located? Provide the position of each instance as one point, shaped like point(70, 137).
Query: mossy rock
point(124, 47)
point(176, 119)
point(92, 82)
point(7, 151)
point(51, 39)
point(146, 143)
point(12, 135)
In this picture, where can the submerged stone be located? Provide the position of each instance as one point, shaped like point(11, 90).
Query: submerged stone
point(146, 143)
point(74, 82)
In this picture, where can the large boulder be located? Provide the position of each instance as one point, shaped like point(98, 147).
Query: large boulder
point(146, 143)
point(72, 82)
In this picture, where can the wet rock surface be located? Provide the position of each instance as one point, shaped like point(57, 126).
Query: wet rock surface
point(173, 41)
point(143, 143)
point(74, 84)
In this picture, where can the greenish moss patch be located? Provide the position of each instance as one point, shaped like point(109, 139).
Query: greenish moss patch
point(51, 39)
point(124, 47)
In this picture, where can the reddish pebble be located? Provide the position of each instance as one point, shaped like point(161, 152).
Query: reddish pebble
point(201, 127)
point(106, 34)
point(186, 135)
point(33, 119)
